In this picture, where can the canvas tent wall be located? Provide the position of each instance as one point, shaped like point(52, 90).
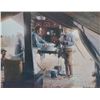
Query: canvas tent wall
point(69, 21)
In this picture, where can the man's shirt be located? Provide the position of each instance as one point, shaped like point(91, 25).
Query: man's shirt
point(39, 41)
point(67, 40)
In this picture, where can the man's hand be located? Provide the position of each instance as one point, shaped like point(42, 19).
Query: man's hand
point(45, 45)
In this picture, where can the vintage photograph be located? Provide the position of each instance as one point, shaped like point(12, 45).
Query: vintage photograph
point(50, 50)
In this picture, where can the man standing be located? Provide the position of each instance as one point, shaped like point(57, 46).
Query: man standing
point(38, 39)
point(67, 40)
point(19, 49)
point(3, 54)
